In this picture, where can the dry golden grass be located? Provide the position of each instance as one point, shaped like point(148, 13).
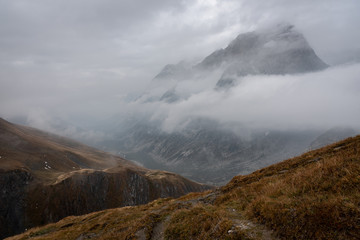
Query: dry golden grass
point(201, 222)
point(313, 196)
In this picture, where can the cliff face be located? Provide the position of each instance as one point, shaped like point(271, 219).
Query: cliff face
point(44, 178)
point(13, 200)
point(85, 192)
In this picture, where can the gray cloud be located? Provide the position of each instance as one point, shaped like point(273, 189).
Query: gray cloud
point(305, 101)
point(85, 59)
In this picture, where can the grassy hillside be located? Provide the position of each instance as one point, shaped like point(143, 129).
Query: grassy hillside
point(313, 196)
point(47, 155)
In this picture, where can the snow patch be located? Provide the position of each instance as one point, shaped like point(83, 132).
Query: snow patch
point(47, 166)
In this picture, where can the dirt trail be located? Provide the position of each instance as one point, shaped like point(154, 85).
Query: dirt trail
point(252, 230)
point(158, 231)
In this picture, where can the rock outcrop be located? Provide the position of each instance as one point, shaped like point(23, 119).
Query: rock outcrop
point(13, 194)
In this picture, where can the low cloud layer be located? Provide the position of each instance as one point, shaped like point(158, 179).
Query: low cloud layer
point(304, 101)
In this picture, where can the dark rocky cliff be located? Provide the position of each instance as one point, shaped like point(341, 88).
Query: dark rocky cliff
point(13, 201)
point(90, 191)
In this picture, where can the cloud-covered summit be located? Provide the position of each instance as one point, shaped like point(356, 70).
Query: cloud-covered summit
point(276, 50)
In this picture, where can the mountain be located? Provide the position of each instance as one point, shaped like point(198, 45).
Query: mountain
point(313, 196)
point(205, 150)
point(44, 178)
point(273, 51)
point(278, 50)
point(208, 152)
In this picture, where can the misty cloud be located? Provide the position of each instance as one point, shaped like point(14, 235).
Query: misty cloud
point(40, 119)
point(313, 100)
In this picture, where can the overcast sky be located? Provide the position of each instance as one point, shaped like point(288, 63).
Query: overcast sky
point(85, 58)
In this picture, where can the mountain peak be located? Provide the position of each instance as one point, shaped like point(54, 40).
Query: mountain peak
point(261, 44)
point(276, 50)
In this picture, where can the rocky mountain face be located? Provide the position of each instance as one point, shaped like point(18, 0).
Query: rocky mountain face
point(208, 153)
point(281, 50)
point(13, 196)
point(44, 178)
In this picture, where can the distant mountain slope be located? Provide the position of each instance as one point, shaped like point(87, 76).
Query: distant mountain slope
point(332, 135)
point(207, 152)
point(44, 177)
point(313, 196)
